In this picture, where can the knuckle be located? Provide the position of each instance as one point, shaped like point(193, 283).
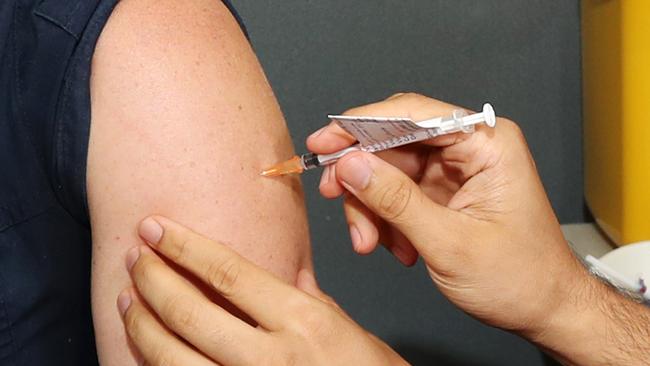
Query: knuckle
point(512, 127)
point(133, 325)
point(406, 96)
point(162, 357)
point(299, 304)
point(353, 111)
point(396, 95)
point(411, 96)
point(313, 319)
point(394, 200)
point(180, 313)
point(514, 136)
point(145, 271)
point(311, 325)
point(176, 249)
point(284, 354)
point(268, 351)
point(223, 275)
point(290, 357)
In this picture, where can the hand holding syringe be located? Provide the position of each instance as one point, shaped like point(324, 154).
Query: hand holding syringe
point(382, 133)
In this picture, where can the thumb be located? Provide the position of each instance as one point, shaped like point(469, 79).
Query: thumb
point(397, 199)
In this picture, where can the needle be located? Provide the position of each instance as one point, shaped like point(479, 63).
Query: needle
point(299, 164)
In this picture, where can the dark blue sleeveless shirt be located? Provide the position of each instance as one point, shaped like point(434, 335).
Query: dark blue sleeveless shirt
point(46, 47)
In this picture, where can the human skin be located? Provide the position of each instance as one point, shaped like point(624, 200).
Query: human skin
point(183, 121)
point(295, 326)
point(472, 206)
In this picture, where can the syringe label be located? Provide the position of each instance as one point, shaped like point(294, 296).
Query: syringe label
point(383, 133)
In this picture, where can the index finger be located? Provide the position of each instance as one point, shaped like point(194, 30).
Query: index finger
point(333, 138)
point(258, 293)
point(329, 139)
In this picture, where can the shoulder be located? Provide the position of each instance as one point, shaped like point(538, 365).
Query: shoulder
point(142, 29)
point(173, 19)
point(154, 55)
point(174, 84)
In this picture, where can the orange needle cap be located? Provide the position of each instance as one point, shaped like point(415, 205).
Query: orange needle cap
point(291, 166)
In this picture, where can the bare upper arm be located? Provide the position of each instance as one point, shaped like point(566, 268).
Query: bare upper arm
point(183, 120)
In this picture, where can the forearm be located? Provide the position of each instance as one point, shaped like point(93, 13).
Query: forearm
point(596, 325)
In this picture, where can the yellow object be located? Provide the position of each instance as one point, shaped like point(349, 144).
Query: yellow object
point(616, 74)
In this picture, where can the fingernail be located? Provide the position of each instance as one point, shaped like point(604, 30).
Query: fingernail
point(325, 177)
point(356, 172)
point(132, 257)
point(124, 301)
point(317, 133)
point(150, 230)
point(355, 235)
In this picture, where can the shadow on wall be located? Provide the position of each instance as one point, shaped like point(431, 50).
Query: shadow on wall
point(418, 355)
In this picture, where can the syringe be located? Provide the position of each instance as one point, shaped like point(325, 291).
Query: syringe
point(299, 164)
point(457, 122)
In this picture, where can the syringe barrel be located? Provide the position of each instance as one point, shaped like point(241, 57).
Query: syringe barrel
point(334, 157)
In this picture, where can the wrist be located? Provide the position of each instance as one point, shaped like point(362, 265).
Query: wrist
point(577, 328)
point(595, 325)
point(564, 291)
